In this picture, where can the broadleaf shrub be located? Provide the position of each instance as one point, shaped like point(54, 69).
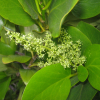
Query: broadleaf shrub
point(49, 50)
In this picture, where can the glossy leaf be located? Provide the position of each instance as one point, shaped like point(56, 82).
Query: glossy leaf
point(76, 35)
point(26, 75)
point(87, 8)
point(92, 33)
point(2, 66)
point(13, 11)
point(92, 54)
point(5, 49)
point(49, 83)
point(82, 73)
point(82, 92)
point(30, 7)
point(4, 85)
point(18, 58)
point(59, 10)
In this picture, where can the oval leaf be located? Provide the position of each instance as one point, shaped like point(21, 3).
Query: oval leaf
point(82, 92)
point(82, 73)
point(26, 75)
point(76, 35)
point(12, 58)
point(93, 65)
point(49, 83)
point(13, 11)
point(30, 7)
point(58, 11)
point(87, 8)
point(91, 32)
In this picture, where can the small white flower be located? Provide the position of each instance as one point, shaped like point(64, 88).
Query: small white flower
point(65, 52)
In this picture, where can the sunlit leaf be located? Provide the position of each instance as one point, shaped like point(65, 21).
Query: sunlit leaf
point(18, 58)
point(82, 73)
point(49, 83)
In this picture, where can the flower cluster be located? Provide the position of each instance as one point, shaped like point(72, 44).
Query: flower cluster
point(64, 51)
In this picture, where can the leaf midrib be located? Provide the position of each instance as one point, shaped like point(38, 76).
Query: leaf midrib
point(53, 84)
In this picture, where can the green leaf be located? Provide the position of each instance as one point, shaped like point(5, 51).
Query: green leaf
point(92, 54)
point(76, 35)
point(87, 8)
point(4, 38)
point(4, 85)
point(26, 30)
point(73, 20)
point(49, 83)
point(13, 44)
point(2, 66)
point(12, 71)
point(5, 49)
point(82, 73)
point(2, 75)
point(82, 92)
point(30, 7)
point(45, 2)
point(18, 58)
point(92, 33)
point(2, 23)
point(13, 11)
point(74, 80)
point(26, 75)
point(59, 10)
point(8, 26)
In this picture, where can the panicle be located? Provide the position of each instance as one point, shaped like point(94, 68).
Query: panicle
point(65, 52)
